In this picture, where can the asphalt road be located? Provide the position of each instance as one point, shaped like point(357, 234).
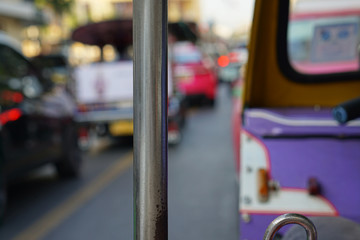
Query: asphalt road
point(203, 192)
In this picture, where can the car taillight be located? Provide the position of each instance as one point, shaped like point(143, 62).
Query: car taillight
point(233, 57)
point(173, 126)
point(82, 108)
point(11, 96)
point(83, 132)
point(10, 115)
point(223, 61)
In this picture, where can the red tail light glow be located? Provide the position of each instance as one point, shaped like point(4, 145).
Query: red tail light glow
point(233, 57)
point(11, 96)
point(173, 127)
point(82, 108)
point(10, 115)
point(83, 133)
point(17, 97)
point(223, 61)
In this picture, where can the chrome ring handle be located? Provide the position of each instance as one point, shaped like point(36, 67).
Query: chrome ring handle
point(291, 218)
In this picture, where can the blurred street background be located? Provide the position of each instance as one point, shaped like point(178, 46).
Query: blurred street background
point(66, 92)
point(202, 189)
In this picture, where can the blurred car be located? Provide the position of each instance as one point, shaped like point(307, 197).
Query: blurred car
point(36, 121)
point(176, 118)
point(104, 89)
point(231, 64)
point(194, 73)
point(55, 66)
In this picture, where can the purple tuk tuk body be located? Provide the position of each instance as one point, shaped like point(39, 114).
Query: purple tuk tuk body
point(297, 147)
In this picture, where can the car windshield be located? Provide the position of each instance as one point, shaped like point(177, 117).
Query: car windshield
point(50, 61)
point(188, 57)
point(186, 52)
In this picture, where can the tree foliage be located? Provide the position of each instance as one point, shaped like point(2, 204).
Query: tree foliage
point(58, 6)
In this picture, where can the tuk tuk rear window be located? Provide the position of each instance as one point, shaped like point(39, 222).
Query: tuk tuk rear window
point(322, 39)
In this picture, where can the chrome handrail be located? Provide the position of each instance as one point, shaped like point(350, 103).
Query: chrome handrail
point(150, 120)
point(291, 218)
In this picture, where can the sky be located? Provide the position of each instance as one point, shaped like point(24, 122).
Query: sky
point(229, 15)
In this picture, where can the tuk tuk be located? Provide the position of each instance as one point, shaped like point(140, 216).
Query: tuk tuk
point(293, 152)
point(295, 129)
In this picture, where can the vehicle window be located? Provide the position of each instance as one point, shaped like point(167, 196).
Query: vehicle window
point(189, 57)
point(50, 61)
point(50, 65)
point(17, 74)
point(323, 36)
point(184, 52)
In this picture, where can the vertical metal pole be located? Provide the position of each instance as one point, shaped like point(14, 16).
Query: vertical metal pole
point(150, 120)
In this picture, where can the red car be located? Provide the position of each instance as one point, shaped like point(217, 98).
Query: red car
point(193, 72)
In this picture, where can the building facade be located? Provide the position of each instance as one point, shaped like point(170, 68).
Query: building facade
point(15, 15)
point(92, 10)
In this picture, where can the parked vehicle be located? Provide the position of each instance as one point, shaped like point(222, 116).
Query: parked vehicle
point(36, 119)
point(56, 66)
point(193, 72)
point(104, 90)
point(291, 154)
point(230, 64)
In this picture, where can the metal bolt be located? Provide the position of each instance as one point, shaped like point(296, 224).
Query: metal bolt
point(274, 185)
point(247, 200)
point(246, 217)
